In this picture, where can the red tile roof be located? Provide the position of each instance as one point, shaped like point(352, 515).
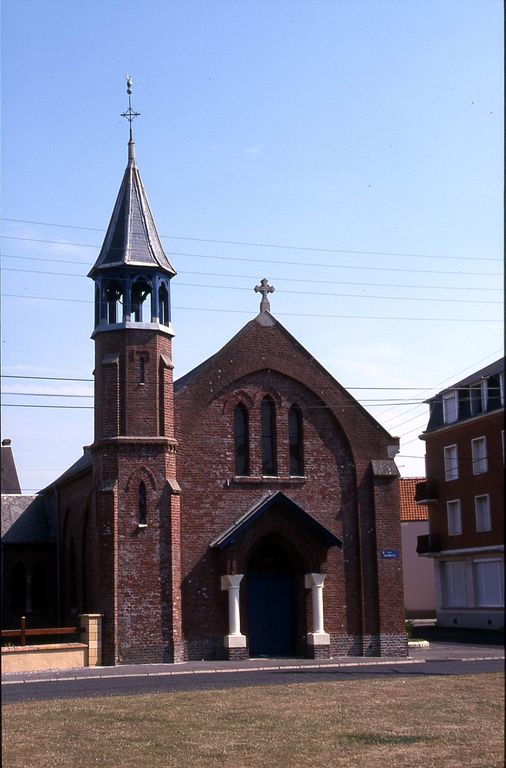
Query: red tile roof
point(409, 510)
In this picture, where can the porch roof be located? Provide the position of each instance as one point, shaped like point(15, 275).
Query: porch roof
point(231, 534)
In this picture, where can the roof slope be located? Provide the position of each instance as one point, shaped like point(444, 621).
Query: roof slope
point(28, 519)
point(230, 535)
point(9, 478)
point(265, 344)
point(83, 464)
point(489, 370)
point(132, 238)
point(410, 511)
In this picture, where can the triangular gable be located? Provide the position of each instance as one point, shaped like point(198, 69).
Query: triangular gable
point(311, 372)
point(230, 536)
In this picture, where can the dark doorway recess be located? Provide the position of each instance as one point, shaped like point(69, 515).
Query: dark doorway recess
point(271, 602)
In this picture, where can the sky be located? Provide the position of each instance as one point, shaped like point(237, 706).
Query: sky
point(350, 151)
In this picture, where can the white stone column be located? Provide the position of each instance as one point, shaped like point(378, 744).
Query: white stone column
point(234, 639)
point(318, 636)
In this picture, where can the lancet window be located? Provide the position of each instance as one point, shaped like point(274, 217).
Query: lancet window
point(241, 439)
point(295, 441)
point(268, 428)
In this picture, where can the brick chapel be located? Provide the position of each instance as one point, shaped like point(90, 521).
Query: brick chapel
point(250, 508)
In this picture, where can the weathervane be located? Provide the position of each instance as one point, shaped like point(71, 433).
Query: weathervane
point(130, 113)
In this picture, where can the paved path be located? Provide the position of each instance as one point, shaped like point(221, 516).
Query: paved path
point(441, 657)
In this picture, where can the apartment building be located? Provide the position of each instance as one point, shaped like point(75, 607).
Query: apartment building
point(464, 490)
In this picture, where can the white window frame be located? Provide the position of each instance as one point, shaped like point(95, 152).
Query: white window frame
point(479, 406)
point(451, 407)
point(484, 512)
point(451, 572)
point(451, 462)
point(454, 517)
point(500, 582)
point(479, 458)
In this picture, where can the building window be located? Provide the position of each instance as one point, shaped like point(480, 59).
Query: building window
point(501, 387)
point(268, 423)
point(479, 455)
point(482, 511)
point(241, 439)
point(142, 504)
point(450, 407)
point(454, 514)
point(451, 462)
point(141, 301)
point(295, 441)
point(489, 583)
point(163, 305)
point(478, 396)
point(453, 585)
point(142, 370)
point(114, 298)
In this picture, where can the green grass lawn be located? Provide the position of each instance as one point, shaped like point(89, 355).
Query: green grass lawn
point(443, 722)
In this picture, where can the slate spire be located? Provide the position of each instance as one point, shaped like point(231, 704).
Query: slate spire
point(132, 238)
point(132, 273)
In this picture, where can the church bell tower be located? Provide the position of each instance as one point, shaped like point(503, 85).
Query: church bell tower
point(135, 491)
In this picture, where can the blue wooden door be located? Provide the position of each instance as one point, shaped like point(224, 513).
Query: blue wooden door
point(271, 614)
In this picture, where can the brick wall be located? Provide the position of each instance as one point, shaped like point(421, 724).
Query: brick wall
point(139, 564)
point(340, 440)
point(468, 485)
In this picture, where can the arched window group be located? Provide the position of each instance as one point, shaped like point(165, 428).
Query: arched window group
point(268, 439)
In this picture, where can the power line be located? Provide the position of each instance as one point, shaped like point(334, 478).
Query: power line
point(61, 394)
point(282, 314)
point(270, 261)
point(444, 384)
point(43, 394)
point(272, 245)
point(365, 404)
point(44, 378)
point(72, 378)
point(299, 293)
point(274, 277)
point(38, 405)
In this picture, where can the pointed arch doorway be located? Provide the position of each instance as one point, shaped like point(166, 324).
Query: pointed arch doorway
point(271, 601)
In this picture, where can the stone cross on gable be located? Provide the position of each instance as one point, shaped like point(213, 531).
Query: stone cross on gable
point(264, 288)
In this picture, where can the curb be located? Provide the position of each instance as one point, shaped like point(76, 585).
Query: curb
point(214, 671)
point(105, 675)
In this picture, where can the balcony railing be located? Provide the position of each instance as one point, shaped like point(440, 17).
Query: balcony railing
point(427, 544)
point(426, 492)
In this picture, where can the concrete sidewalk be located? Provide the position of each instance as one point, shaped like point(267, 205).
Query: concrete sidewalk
point(440, 648)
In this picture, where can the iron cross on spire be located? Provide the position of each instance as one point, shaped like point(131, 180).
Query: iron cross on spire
point(130, 113)
point(264, 288)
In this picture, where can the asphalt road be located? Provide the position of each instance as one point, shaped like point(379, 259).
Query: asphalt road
point(93, 687)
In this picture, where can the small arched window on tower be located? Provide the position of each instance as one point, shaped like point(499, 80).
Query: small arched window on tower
point(142, 370)
point(141, 301)
point(163, 305)
point(113, 297)
point(268, 423)
point(241, 439)
point(143, 517)
point(295, 441)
